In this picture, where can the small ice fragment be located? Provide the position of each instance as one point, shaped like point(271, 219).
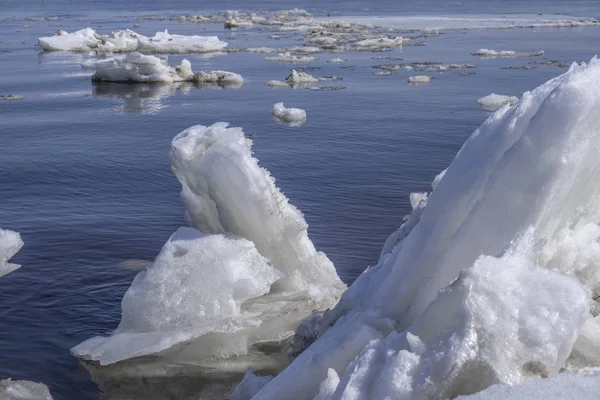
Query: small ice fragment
point(506, 53)
point(296, 77)
point(10, 244)
point(336, 61)
point(494, 101)
point(289, 114)
point(276, 84)
point(419, 79)
point(289, 57)
point(11, 97)
point(23, 390)
point(233, 23)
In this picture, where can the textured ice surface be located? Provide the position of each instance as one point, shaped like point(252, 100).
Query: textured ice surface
point(10, 244)
point(289, 57)
point(125, 41)
point(23, 390)
point(506, 53)
point(225, 294)
point(136, 67)
point(497, 281)
point(422, 79)
point(494, 101)
point(219, 77)
point(296, 77)
point(292, 115)
point(163, 42)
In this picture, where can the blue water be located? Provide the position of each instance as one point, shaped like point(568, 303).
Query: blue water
point(85, 178)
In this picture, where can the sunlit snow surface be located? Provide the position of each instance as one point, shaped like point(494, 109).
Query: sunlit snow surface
point(494, 282)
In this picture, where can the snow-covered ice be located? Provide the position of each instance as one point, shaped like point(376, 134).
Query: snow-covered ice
point(87, 39)
point(219, 77)
point(506, 53)
point(336, 61)
point(299, 77)
point(494, 279)
point(276, 83)
point(419, 79)
point(10, 244)
point(228, 292)
point(136, 67)
point(494, 101)
point(291, 115)
point(289, 57)
point(23, 390)
point(11, 97)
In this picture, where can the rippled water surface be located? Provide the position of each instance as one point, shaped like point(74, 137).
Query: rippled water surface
point(85, 177)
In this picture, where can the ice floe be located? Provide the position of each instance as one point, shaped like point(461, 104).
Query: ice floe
point(419, 79)
point(289, 57)
point(336, 61)
point(494, 101)
point(87, 39)
point(11, 97)
point(140, 68)
point(506, 53)
point(290, 115)
point(228, 292)
point(494, 280)
point(23, 390)
point(296, 77)
point(10, 244)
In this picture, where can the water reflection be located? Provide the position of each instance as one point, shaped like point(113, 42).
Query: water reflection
point(149, 98)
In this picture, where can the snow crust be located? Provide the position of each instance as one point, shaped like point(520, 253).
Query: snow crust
point(494, 278)
point(10, 244)
point(23, 390)
point(87, 39)
point(494, 101)
point(292, 115)
point(242, 276)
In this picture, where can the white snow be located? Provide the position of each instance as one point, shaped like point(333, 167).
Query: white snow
point(219, 77)
point(494, 101)
point(87, 39)
point(497, 280)
point(136, 67)
point(289, 57)
point(296, 77)
point(23, 390)
point(10, 244)
point(506, 53)
point(292, 115)
point(243, 274)
point(564, 386)
point(163, 42)
point(419, 79)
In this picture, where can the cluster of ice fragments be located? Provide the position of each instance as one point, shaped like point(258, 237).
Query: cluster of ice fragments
point(296, 79)
point(87, 39)
point(137, 67)
point(229, 291)
point(493, 278)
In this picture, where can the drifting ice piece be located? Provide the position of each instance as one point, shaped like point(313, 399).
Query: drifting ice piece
point(163, 42)
point(136, 67)
point(506, 53)
point(10, 244)
point(81, 40)
point(23, 390)
point(296, 77)
point(510, 237)
point(494, 101)
point(419, 79)
point(216, 303)
point(292, 115)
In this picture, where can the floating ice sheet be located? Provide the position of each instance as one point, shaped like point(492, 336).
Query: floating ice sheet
point(10, 244)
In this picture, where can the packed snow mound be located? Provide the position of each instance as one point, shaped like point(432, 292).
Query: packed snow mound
point(224, 190)
point(87, 39)
point(196, 285)
point(163, 42)
point(292, 115)
point(494, 101)
point(10, 244)
point(419, 79)
point(136, 67)
point(498, 280)
point(506, 53)
point(564, 386)
point(23, 390)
